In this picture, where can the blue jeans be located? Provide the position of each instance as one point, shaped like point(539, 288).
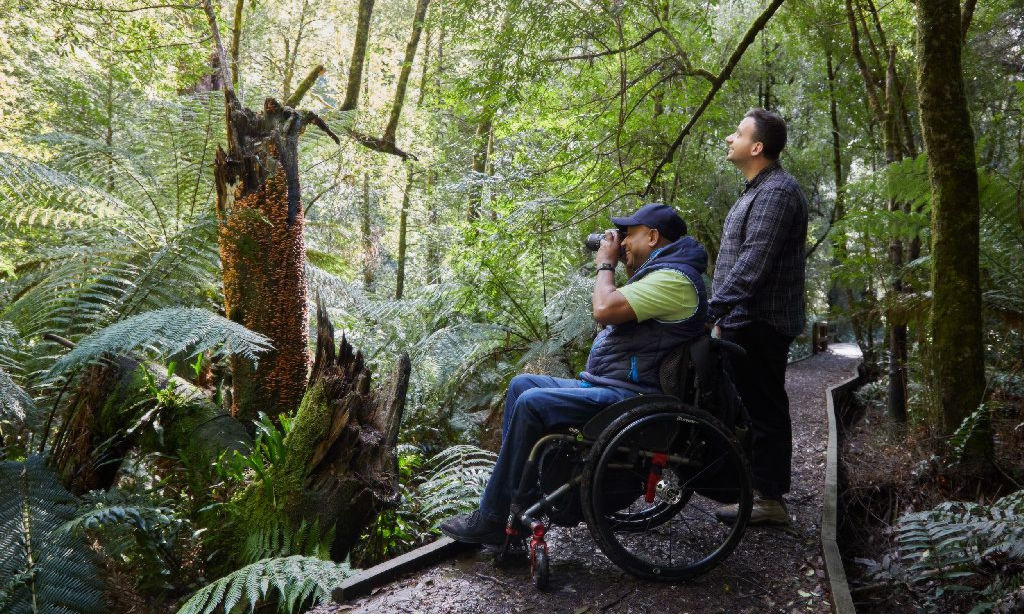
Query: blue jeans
point(534, 405)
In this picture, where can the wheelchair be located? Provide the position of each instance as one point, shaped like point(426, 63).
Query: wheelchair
point(645, 474)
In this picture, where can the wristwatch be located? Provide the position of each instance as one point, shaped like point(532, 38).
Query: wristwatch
point(606, 266)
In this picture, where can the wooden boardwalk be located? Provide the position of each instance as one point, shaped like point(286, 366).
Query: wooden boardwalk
point(771, 570)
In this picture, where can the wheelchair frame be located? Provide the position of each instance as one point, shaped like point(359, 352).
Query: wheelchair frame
point(692, 372)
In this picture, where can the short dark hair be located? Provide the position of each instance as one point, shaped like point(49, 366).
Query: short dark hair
point(770, 130)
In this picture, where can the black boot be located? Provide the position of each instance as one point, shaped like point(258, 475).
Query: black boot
point(474, 529)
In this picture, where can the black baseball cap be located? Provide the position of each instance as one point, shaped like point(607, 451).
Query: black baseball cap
point(658, 216)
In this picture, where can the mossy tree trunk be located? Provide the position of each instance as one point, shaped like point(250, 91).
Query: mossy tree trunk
point(341, 468)
point(956, 318)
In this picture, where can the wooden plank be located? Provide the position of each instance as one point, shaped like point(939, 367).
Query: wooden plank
point(378, 575)
point(842, 601)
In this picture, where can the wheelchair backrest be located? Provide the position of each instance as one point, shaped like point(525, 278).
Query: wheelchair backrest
point(696, 374)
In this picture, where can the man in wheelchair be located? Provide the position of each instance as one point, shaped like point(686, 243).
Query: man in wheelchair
point(662, 306)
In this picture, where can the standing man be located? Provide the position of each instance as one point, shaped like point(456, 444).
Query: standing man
point(758, 301)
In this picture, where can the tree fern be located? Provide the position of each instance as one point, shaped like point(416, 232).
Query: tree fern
point(41, 568)
point(167, 332)
point(294, 580)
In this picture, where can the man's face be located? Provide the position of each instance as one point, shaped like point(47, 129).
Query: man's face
point(639, 242)
point(743, 145)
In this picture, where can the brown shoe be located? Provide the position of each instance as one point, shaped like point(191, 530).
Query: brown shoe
point(762, 512)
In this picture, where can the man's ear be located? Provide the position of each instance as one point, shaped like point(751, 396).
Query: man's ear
point(756, 148)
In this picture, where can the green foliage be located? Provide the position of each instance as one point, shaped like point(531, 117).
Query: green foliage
point(458, 476)
point(295, 581)
point(136, 532)
point(167, 332)
point(42, 569)
point(964, 547)
point(281, 540)
point(449, 483)
point(268, 450)
point(16, 406)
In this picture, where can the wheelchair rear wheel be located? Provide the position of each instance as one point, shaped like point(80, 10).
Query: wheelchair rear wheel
point(651, 487)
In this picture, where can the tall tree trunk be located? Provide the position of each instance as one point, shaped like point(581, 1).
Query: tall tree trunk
point(355, 67)
point(403, 228)
point(897, 330)
point(260, 233)
point(956, 318)
point(366, 238)
point(403, 75)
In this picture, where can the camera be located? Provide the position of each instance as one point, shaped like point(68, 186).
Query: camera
point(593, 241)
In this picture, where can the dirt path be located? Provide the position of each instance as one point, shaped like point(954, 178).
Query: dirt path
point(770, 571)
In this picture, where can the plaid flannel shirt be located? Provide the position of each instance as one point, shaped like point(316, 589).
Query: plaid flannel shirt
point(759, 274)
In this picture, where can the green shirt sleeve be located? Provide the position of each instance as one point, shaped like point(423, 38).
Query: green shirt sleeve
point(665, 295)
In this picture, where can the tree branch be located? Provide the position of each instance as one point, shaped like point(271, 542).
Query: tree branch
point(716, 85)
point(590, 56)
point(230, 102)
point(965, 19)
point(307, 83)
point(378, 144)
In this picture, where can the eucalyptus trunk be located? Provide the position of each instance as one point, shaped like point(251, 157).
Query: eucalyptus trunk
point(956, 318)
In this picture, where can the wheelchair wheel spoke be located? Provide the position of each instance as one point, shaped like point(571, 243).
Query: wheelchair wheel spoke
point(653, 485)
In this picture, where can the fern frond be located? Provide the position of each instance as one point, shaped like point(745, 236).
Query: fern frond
point(15, 403)
point(294, 580)
point(281, 540)
point(49, 571)
point(168, 331)
point(458, 478)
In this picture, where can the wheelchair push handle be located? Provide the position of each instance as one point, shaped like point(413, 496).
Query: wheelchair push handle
point(715, 332)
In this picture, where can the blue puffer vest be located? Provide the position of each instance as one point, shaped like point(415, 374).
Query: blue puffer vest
point(629, 355)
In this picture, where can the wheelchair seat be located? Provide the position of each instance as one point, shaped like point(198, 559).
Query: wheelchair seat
point(689, 372)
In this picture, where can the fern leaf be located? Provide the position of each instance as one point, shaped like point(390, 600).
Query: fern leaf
point(49, 570)
point(294, 580)
point(167, 331)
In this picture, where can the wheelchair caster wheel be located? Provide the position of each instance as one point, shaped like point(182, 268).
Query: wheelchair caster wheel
point(540, 568)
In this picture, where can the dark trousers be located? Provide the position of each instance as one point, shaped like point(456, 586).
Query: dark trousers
point(535, 404)
point(760, 379)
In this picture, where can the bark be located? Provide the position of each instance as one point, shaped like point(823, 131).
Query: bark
point(839, 295)
point(260, 235)
point(897, 330)
point(403, 229)
point(869, 79)
point(403, 76)
point(341, 468)
point(355, 68)
point(236, 36)
point(956, 318)
point(482, 140)
point(365, 236)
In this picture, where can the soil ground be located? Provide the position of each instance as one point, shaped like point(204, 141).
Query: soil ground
point(771, 570)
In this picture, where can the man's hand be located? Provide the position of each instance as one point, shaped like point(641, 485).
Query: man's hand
point(609, 250)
